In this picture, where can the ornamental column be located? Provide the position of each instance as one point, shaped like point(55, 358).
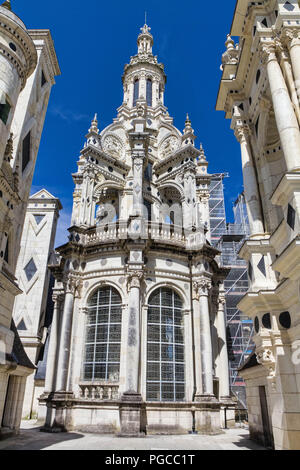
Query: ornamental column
point(131, 401)
point(197, 340)
point(286, 120)
point(252, 197)
point(65, 336)
point(53, 342)
point(204, 286)
point(223, 351)
point(292, 40)
point(133, 343)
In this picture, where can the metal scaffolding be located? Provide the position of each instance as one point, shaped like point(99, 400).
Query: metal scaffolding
point(217, 207)
point(228, 238)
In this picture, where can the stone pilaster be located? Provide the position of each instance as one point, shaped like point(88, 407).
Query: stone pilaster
point(223, 352)
point(131, 401)
point(72, 286)
point(197, 340)
point(53, 343)
point(242, 133)
point(286, 120)
point(204, 286)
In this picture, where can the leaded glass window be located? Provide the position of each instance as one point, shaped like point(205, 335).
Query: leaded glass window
point(136, 92)
point(165, 347)
point(149, 92)
point(103, 336)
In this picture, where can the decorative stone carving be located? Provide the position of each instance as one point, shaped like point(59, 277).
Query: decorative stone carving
point(169, 146)
point(114, 146)
point(134, 279)
point(201, 288)
point(231, 56)
point(266, 358)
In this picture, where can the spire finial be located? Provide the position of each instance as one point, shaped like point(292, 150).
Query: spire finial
point(145, 17)
point(7, 5)
point(94, 126)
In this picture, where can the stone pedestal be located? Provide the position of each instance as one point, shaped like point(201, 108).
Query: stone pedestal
point(207, 418)
point(131, 415)
point(59, 407)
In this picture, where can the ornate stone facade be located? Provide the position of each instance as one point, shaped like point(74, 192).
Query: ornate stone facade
point(31, 308)
point(28, 65)
point(259, 92)
point(133, 350)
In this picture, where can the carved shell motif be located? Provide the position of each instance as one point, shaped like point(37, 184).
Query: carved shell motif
point(114, 146)
point(169, 146)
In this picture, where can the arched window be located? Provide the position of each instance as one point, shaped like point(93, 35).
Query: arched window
point(103, 336)
point(136, 91)
point(165, 347)
point(149, 92)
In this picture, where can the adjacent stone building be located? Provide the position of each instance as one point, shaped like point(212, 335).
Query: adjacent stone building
point(28, 65)
point(259, 92)
point(138, 338)
point(33, 277)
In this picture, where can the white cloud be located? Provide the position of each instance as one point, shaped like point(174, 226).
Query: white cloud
point(68, 115)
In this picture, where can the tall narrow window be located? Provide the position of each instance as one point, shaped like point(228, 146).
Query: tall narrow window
point(6, 254)
point(43, 79)
point(136, 92)
point(4, 112)
point(149, 92)
point(165, 347)
point(103, 336)
point(26, 151)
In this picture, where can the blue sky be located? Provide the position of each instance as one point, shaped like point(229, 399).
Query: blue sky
point(94, 40)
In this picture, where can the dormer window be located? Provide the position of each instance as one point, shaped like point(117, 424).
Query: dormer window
point(149, 92)
point(136, 91)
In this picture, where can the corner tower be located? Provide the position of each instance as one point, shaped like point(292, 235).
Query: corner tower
point(18, 60)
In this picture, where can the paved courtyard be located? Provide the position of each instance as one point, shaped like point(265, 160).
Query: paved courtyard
point(31, 438)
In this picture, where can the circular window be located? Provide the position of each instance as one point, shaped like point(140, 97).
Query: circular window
point(12, 46)
point(266, 321)
point(256, 324)
point(285, 320)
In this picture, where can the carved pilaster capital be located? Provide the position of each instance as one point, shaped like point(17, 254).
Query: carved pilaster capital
point(242, 132)
point(73, 285)
point(201, 288)
point(267, 52)
point(134, 279)
point(290, 37)
point(57, 297)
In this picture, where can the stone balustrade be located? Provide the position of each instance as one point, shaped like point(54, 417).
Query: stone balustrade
point(120, 231)
point(98, 392)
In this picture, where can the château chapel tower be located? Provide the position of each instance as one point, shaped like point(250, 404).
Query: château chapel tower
point(138, 338)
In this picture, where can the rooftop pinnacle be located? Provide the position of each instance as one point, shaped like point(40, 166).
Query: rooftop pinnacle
point(7, 4)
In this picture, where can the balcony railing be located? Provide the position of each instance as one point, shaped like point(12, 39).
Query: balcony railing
point(99, 392)
point(141, 229)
